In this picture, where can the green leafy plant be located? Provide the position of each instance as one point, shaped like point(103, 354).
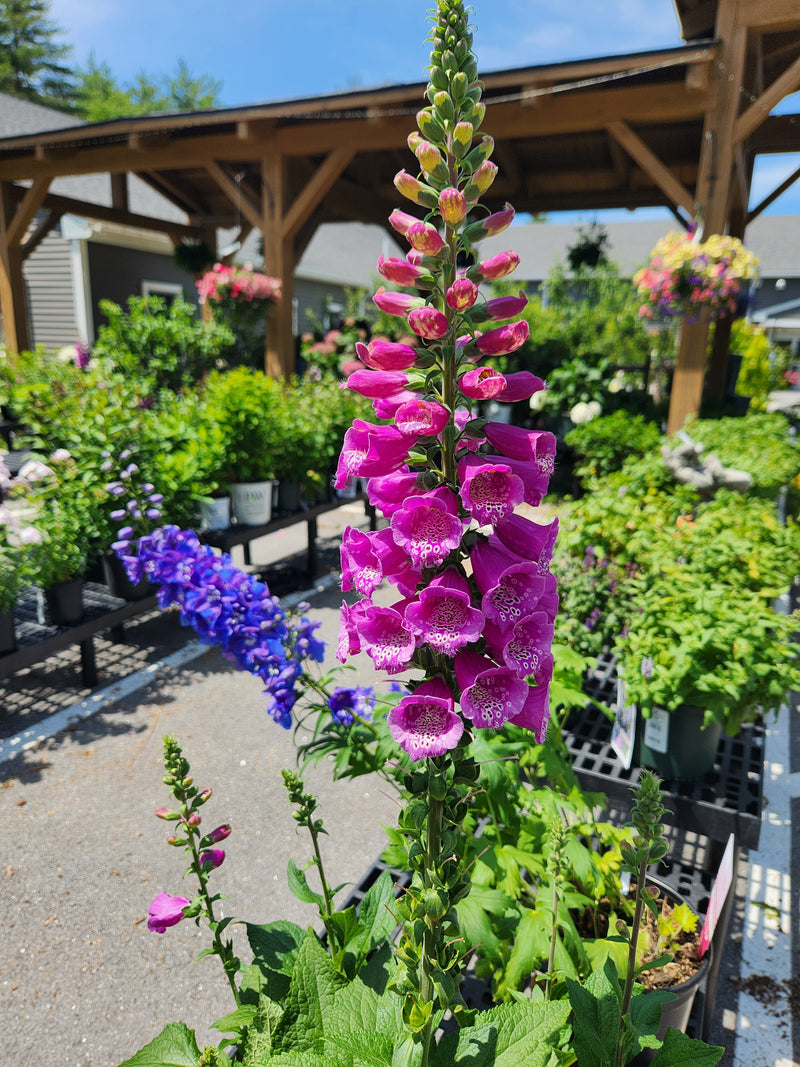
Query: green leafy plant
point(603, 445)
point(242, 404)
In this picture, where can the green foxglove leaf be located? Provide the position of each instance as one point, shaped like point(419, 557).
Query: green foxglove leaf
point(596, 1021)
point(299, 887)
point(679, 1050)
point(310, 999)
point(376, 917)
point(236, 1020)
point(175, 1046)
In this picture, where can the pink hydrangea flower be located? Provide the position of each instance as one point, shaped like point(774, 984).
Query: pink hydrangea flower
point(424, 723)
point(428, 527)
point(490, 694)
point(165, 911)
point(443, 616)
point(489, 491)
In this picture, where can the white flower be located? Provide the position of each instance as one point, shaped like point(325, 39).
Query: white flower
point(580, 413)
point(34, 471)
point(538, 400)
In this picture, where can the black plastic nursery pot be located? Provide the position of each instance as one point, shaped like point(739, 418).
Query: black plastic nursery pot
point(64, 602)
point(118, 582)
point(688, 751)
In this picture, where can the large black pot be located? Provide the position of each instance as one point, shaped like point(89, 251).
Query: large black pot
point(64, 603)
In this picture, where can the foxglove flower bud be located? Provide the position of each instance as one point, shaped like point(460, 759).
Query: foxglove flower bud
point(462, 139)
point(496, 266)
point(396, 303)
point(401, 220)
point(490, 226)
point(481, 180)
point(413, 189)
point(425, 238)
point(167, 815)
point(427, 322)
point(462, 294)
point(453, 206)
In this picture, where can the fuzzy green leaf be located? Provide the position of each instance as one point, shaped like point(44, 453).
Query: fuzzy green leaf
point(175, 1046)
point(679, 1050)
point(310, 1000)
point(299, 887)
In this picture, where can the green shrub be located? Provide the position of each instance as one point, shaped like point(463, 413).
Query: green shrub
point(603, 445)
point(165, 346)
point(759, 443)
point(245, 406)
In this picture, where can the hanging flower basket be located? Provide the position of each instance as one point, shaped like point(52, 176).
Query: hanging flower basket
point(686, 276)
point(232, 288)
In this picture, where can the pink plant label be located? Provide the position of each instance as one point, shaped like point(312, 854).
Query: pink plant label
point(719, 893)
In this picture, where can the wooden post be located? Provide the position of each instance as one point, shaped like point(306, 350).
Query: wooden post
point(687, 387)
point(278, 263)
point(13, 305)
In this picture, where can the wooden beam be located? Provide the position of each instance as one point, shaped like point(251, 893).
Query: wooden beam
point(758, 111)
point(316, 189)
point(239, 197)
point(687, 382)
point(119, 191)
point(67, 205)
point(26, 209)
point(652, 165)
point(778, 191)
point(772, 15)
point(176, 193)
point(36, 236)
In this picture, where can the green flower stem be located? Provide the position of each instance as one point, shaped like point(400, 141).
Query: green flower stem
point(619, 1058)
point(219, 947)
point(430, 942)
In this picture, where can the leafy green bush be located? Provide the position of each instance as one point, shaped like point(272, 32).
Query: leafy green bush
point(165, 346)
point(245, 405)
point(759, 444)
point(602, 445)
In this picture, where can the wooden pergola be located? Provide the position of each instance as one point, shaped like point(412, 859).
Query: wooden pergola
point(679, 127)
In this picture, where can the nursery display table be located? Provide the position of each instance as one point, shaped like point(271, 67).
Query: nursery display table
point(37, 640)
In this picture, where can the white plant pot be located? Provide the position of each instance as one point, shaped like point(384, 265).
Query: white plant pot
point(215, 513)
point(252, 502)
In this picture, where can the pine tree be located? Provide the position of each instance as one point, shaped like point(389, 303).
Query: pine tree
point(33, 64)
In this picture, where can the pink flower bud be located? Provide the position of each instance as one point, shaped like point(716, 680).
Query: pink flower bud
point(167, 815)
point(503, 340)
point(482, 383)
point(386, 355)
point(482, 179)
point(497, 266)
point(220, 833)
point(194, 819)
point(499, 221)
point(427, 322)
point(204, 796)
point(453, 206)
point(505, 307)
point(396, 303)
point(425, 238)
point(462, 294)
point(212, 858)
point(399, 271)
point(173, 839)
point(401, 220)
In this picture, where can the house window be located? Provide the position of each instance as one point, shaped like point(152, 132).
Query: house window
point(168, 290)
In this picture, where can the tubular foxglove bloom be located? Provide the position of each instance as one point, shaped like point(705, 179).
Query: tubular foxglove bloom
point(527, 446)
point(377, 384)
point(490, 492)
point(443, 616)
point(385, 637)
point(400, 221)
point(386, 355)
point(452, 206)
point(521, 385)
point(482, 383)
point(506, 307)
point(421, 418)
point(165, 911)
point(490, 694)
point(428, 527)
point(462, 294)
point(424, 724)
point(494, 268)
point(399, 271)
point(369, 450)
point(396, 303)
point(425, 238)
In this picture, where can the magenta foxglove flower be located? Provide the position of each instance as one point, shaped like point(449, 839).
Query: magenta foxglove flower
point(377, 384)
point(490, 270)
point(165, 911)
point(530, 540)
point(443, 616)
point(492, 224)
point(424, 723)
point(396, 303)
point(386, 355)
point(425, 238)
point(427, 527)
point(489, 491)
point(386, 407)
point(361, 566)
point(390, 492)
point(534, 483)
point(219, 834)
point(535, 712)
point(527, 649)
point(427, 322)
point(421, 418)
point(482, 383)
point(385, 637)
point(490, 694)
point(504, 339)
point(529, 446)
point(462, 294)
point(399, 271)
point(369, 450)
point(506, 307)
point(453, 206)
point(520, 386)
point(349, 643)
point(395, 565)
point(510, 587)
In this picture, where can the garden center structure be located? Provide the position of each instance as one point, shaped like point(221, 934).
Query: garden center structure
point(679, 127)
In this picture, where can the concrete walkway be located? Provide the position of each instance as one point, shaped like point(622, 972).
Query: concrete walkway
point(84, 983)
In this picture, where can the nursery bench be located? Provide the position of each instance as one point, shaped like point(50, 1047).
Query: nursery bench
point(36, 640)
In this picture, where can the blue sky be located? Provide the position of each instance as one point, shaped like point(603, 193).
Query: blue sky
point(271, 49)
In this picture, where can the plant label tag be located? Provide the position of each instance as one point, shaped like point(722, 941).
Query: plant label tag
point(623, 732)
point(716, 902)
point(656, 730)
